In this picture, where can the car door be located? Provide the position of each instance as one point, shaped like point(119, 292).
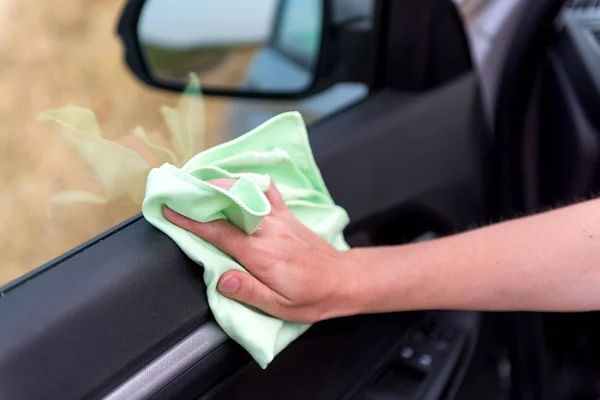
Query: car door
point(124, 315)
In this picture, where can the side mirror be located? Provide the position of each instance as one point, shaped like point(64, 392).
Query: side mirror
point(278, 49)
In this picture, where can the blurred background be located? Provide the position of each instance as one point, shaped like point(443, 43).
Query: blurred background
point(54, 54)
point(62, 53)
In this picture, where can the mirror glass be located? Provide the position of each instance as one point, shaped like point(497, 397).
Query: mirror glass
point(236, 45)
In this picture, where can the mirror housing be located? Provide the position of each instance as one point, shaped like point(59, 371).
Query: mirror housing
point(343, 55)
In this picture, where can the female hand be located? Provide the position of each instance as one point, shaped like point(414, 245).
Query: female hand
point(294, 275)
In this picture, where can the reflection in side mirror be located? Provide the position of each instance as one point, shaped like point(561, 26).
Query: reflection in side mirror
point(257, 46)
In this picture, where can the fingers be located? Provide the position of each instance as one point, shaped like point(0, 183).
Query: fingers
point(220, 233)
point(223, 183)
point(243, 287)
point(272, 194)
point(237, 285)
point(275, 198)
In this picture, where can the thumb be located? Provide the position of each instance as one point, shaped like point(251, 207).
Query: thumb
point(245, 288)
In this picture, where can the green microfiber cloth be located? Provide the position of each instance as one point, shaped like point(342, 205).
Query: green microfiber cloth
point(277, 150)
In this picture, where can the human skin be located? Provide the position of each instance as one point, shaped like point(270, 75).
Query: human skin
point(545, 262)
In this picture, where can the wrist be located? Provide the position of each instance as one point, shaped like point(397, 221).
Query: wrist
point(350, 287)
point(385, 279)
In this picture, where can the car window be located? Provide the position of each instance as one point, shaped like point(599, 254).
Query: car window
point(79, 132)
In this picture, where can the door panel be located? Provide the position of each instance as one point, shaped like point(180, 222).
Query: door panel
point(97, 314)
point(429, 151)
point(89, 321)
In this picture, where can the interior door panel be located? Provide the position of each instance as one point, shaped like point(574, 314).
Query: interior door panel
point(429, 149)
point(85, 324)
point(102, 312)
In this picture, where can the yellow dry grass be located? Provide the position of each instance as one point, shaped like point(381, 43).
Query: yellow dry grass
point(53, 54)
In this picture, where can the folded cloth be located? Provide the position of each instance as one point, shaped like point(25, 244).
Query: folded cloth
point(277, 150)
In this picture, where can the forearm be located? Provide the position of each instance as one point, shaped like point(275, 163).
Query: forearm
point(547, 262)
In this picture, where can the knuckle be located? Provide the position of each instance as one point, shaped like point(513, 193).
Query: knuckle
point(254, 248)
point(270, 258)
point(220, 230)
point(267, 224)
point(275, 210)
point(263, 250)
point(195, 227)
point(251, 291)
point(216, 231)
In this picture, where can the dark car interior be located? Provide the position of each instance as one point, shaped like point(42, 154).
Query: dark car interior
point(125, 315)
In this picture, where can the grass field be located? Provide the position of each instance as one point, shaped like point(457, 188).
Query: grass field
point(206, 62)
point(53, 54)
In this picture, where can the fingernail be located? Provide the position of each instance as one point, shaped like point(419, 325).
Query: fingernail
point(229, 285)
point(168, 212)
